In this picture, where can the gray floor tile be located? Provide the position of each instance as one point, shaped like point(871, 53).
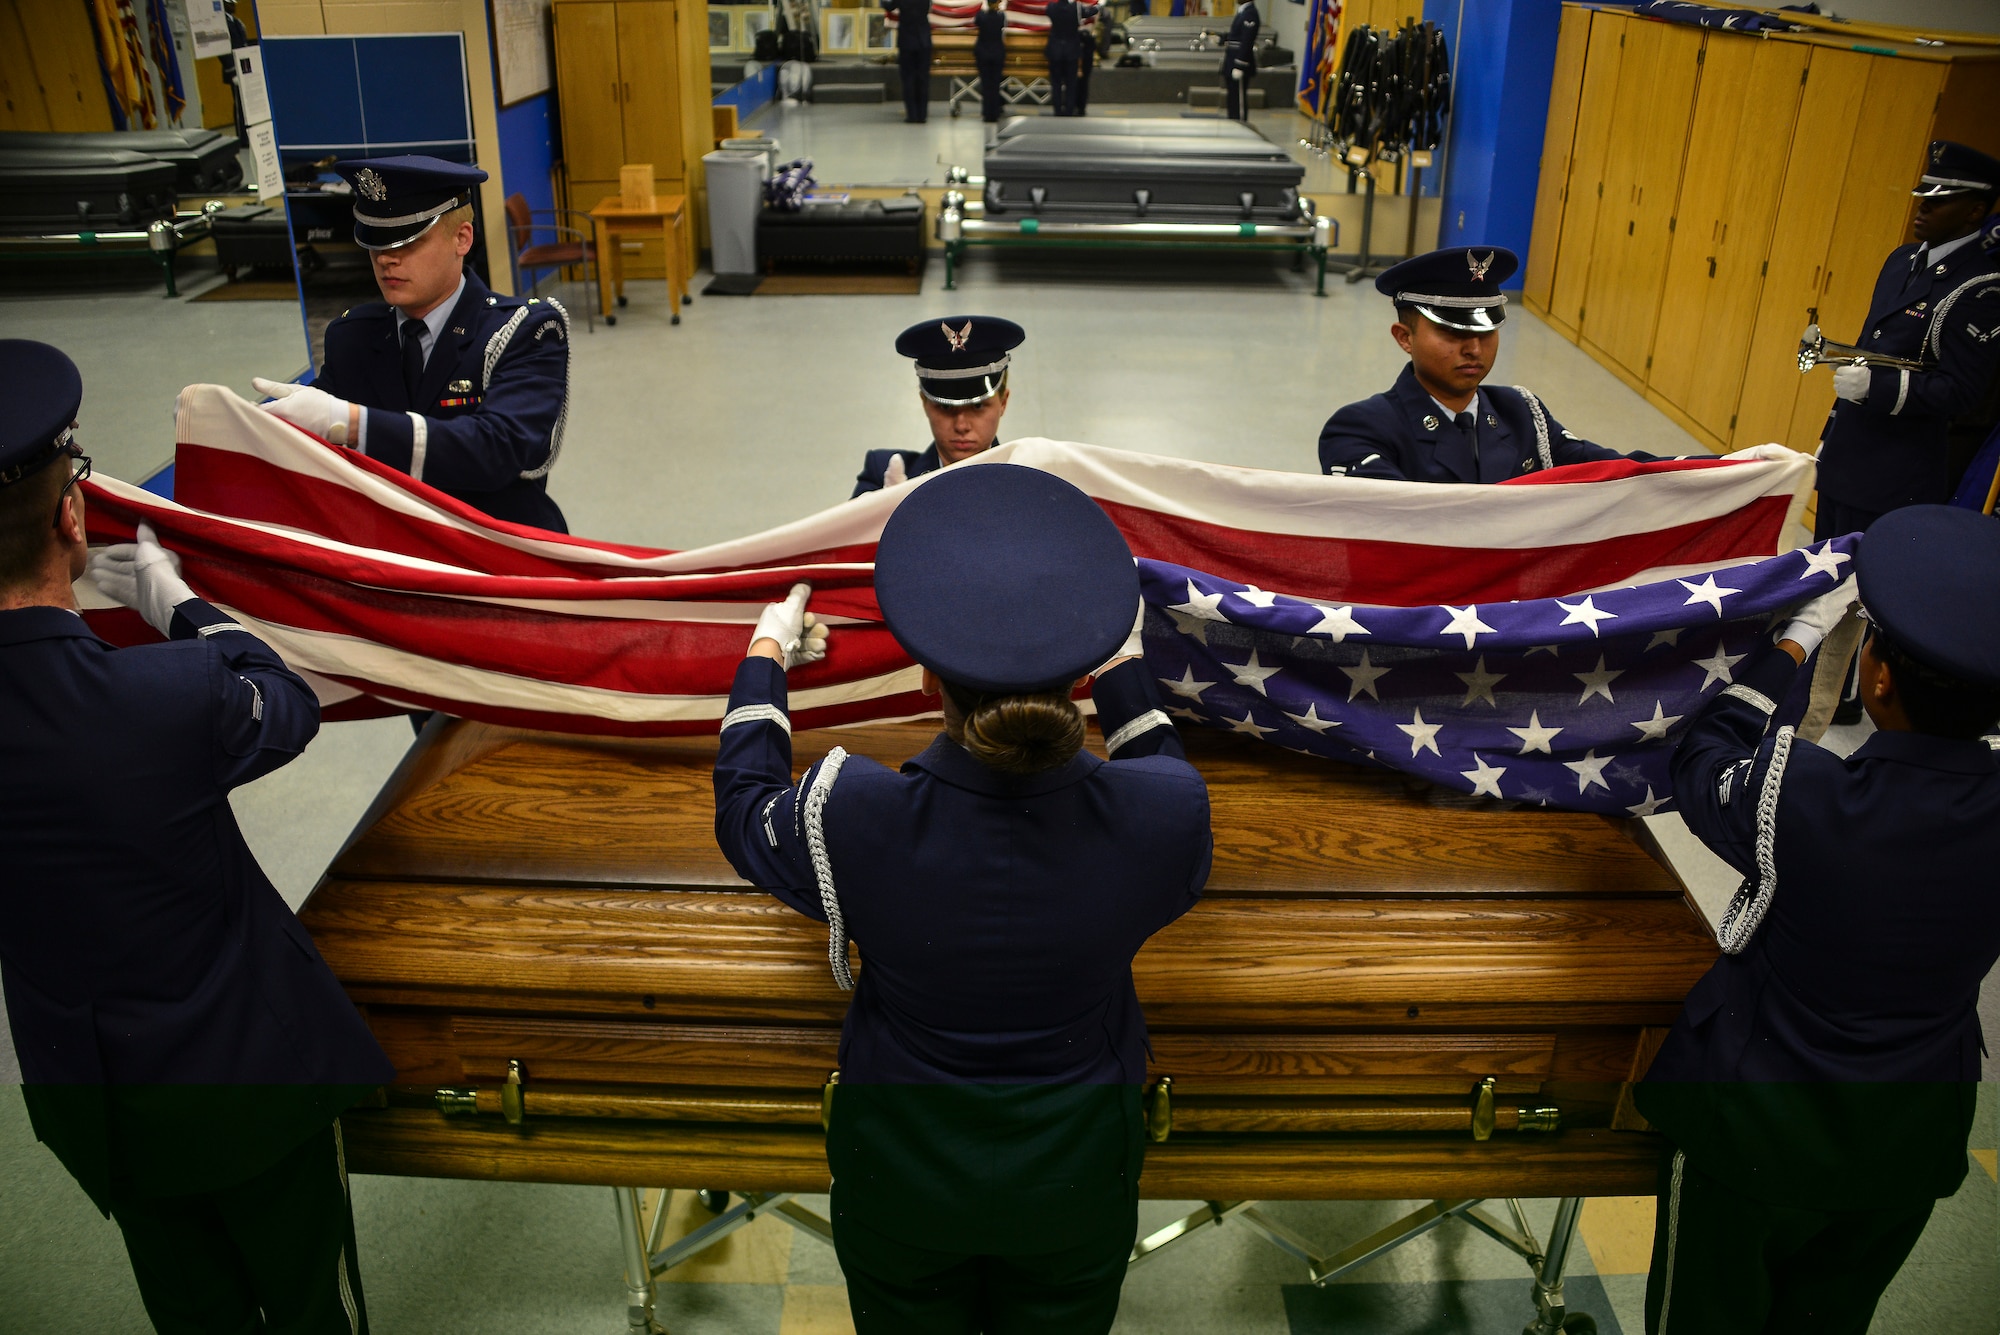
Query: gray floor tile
point(1447, 1307)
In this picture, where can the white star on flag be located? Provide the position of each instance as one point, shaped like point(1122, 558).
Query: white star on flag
point(1655, 728)
point(1465, 621)
point(1423, 736)
point(1717, 668)
point(1485, 779)
point(1586, 613)
point(1252, 674)
point(1337, 622)
point(1535, 737)
point(1651, 804)
point(1708, 591)
point(1256, 597)
point(1590, 770)
point(1479, 683)
point(1823, 560)
point(1599, 681)
point(1192, 715)
point(1249, 724)
point(1549, 649)
point(1670, 638)
point(1207, 606)
point(1364, 677)
point(1187, 686)
point(1190, 625)
point(1311, 720)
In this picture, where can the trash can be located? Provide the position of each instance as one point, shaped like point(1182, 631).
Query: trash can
point(756, 143)
point(735, 197)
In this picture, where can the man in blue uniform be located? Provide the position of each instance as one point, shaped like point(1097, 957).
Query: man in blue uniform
point(989, 53)
point(1437, 423)
point(1937, 301)
point(184, 1050)
point(1065, 53)
point(444, 380)
point(962, 363)
point(985, 1136)
point(913, 56)
point(1239, 60)
point(1817, 1088)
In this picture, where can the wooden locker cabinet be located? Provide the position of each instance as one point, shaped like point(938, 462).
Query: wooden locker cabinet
point(1782, 171)
point(632, 85)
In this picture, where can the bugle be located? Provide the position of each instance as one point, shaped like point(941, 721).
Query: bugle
point(1815, 348)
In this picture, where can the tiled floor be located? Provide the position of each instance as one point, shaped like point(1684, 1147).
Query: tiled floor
point(750, 413)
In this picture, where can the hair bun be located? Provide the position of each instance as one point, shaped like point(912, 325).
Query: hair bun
point(1023, 734)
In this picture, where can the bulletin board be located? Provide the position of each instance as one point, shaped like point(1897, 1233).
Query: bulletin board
point(522, 46)
point(363, 97)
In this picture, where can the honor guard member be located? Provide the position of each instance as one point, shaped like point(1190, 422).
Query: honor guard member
point(985, 1133)
point(1239, 60)
point(1436, 423)
point(1937, 302)
point(184, 1050)
point(913, 56)
point(1065, 52)
point(989, 53)
point(1817, 1088)
point(962, 365)
point(442, 379)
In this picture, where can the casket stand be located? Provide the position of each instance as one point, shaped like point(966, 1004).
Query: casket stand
point(1386, 992)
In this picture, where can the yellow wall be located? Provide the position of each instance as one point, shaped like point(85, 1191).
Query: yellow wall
point(292, 18)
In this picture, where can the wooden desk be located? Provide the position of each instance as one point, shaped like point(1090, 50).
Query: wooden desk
point(612, 220)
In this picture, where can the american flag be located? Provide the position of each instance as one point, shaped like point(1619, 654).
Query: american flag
point(1544, 640)
point(1321, 61)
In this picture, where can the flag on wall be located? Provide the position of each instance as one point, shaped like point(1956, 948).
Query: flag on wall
point(1544, 640)
point(1321, 59)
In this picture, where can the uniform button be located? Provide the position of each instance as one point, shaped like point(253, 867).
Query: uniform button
point(1876, 334)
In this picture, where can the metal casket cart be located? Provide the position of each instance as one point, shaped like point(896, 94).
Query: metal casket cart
point(1386, 992)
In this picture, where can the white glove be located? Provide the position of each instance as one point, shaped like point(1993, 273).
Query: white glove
point(1135, 645)
point(1774, 452)
point(896, 474)
point(1852, 382)
point(305, 407)
point(143, 576)
point(1810, 624)
point(797, 633)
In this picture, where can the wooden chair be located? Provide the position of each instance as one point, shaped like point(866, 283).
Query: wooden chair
point(570, 246)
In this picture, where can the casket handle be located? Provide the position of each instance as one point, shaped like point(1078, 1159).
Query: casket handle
point(1160, 1110)
point(512, 1104)
point(1482, 1110)
point(826, 1100)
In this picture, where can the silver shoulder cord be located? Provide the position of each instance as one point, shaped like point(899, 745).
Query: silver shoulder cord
point(497, 345)
point(1541, 425)
point(815, 809)
point(1934, 336)
point(1753, 898)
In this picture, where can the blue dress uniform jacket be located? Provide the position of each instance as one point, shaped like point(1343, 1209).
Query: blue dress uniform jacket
point(1239, 45)
point(1388, 436)
point(1891, 449)
point(177, 1030)
point(991, 42)
point(487, 423)
point(876, 465)
point(1829, 1065)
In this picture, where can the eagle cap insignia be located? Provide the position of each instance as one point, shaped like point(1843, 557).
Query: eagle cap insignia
point(370, 185)
point(1478, 266)
point(957, 338)
point(1937, 154)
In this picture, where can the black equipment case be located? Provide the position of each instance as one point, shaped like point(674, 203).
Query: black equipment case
point(205, 161)
point(1131, 175)
point(252, 236)
point(82, 190)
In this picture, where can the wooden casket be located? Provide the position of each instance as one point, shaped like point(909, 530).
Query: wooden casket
point(1386, 991)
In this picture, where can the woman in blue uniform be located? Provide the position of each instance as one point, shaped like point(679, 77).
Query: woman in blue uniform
point(985, 1136)
point(962, 363)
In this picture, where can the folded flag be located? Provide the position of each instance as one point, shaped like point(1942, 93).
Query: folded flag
point(1542, 641)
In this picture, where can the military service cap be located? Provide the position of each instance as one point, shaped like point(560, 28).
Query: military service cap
point(1930, 578)
point(961, 359)
point(42, 390)
point(1004, 579)
point(1954, 169)
point(1458, 287)
point(397, 200)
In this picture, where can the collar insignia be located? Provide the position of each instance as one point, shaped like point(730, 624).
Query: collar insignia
point(957, 338)
point(370, 185)
point(1478, 266)
point(1430, 422)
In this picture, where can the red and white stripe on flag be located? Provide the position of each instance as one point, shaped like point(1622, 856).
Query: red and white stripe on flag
point(387, 594)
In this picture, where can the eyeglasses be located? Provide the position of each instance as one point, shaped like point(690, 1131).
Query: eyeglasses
point(79, 475)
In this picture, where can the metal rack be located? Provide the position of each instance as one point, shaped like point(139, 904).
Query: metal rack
point(160, 240)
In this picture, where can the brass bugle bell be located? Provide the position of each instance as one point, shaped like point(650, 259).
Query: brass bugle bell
point(1815, 348)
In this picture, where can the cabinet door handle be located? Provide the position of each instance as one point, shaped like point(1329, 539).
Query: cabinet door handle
point(614, 90)
point(1828, 287)
point(1711, 266)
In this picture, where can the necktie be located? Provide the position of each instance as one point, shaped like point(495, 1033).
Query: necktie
point(413, 358)
point(1920, 259)
point(1464, 423)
